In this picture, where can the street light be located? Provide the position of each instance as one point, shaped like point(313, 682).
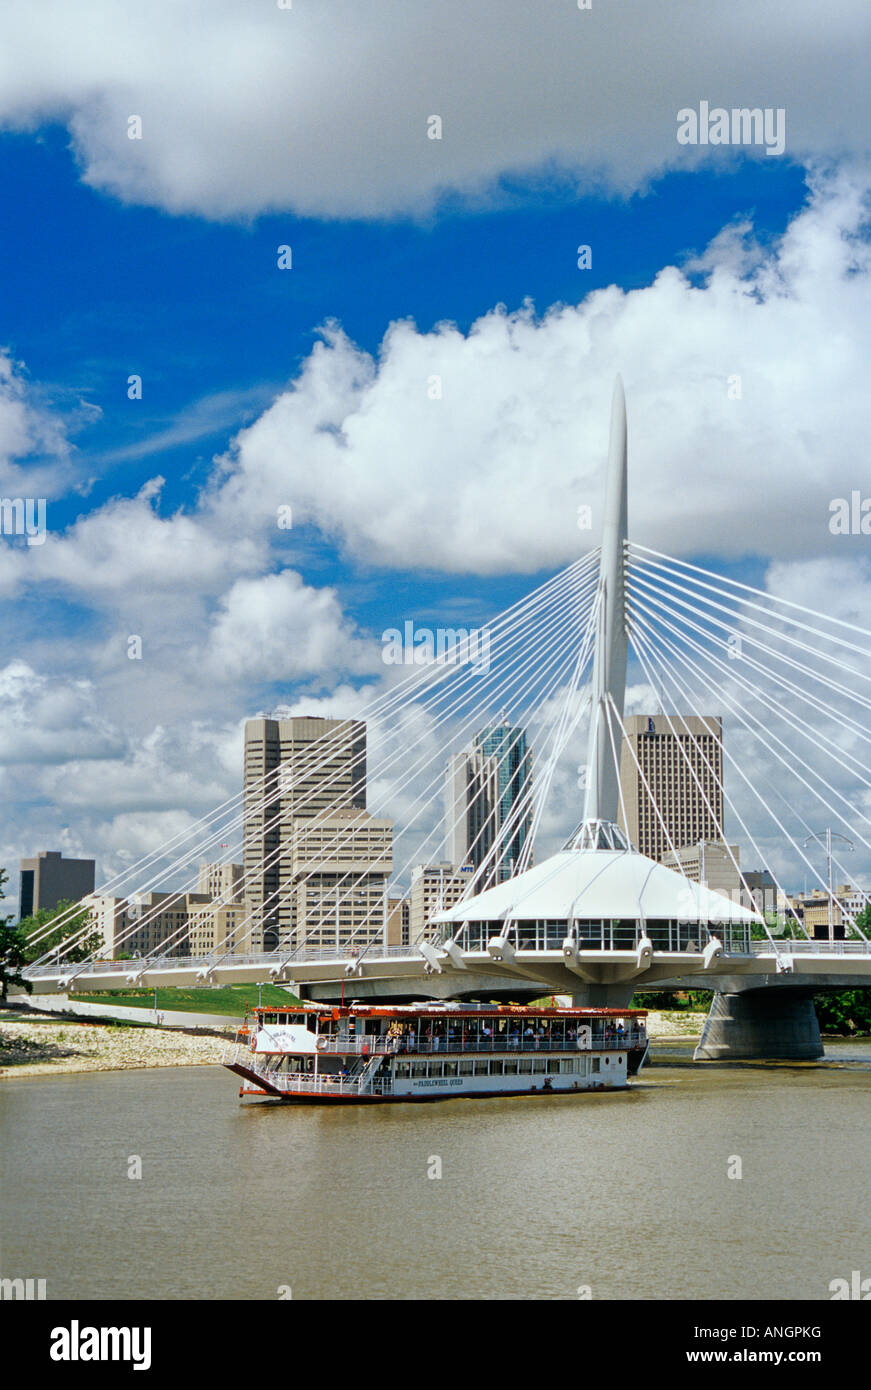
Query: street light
point(830, 835)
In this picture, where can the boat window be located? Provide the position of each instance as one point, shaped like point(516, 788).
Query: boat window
point(482, 1067)
point(597, 1064)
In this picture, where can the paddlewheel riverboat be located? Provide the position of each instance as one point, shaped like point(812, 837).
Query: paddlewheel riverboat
point(315, 1052)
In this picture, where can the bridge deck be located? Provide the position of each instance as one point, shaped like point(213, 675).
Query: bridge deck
point(404, 964)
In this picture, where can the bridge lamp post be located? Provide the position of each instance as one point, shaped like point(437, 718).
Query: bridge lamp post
point(830, 835)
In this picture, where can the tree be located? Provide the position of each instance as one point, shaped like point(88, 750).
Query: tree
point(846, 1012)
point(54, 940)
point(12, 952)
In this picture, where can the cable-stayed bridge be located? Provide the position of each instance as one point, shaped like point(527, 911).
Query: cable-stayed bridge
point(597, 919)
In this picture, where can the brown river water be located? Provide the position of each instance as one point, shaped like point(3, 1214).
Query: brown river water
point(626, 1194)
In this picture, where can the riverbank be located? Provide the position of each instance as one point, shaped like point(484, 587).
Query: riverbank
point(47, 1047)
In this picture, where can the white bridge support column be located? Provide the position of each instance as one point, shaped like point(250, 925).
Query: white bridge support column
point(609, 662)
point(761, 1025)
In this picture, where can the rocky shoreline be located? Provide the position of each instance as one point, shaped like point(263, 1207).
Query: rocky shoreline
point(49, 1046)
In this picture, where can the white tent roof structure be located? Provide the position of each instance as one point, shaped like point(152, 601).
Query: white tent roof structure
point(592, 884)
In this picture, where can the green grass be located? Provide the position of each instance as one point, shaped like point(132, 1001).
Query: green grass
point(230, 1000)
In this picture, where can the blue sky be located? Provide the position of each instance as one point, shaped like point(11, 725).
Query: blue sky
point(158, 257)
point(198, 310)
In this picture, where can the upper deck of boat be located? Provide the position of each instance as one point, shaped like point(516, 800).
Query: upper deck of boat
point(405, 1013)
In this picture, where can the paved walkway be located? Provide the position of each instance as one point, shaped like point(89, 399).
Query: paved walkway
point(165, 1018)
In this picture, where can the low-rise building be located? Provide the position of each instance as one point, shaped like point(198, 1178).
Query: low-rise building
point(223, 881)
point(216, 926)
point(711, 862)
point(813, 909)
point(434, 888)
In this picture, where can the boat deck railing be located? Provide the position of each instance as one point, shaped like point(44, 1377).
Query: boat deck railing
point(306, 1083)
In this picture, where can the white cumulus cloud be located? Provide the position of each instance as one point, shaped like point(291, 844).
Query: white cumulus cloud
point(323, 108)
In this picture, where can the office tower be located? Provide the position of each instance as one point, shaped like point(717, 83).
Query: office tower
point(50, 879)
point(670, 764)
point(305, 768)
point(488, 811)
point(434, 888)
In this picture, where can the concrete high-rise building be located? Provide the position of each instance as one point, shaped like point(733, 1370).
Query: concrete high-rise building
point(293, 767)
point(434, 888)
point(488, 811)
point(690, 809)
point(49, 879)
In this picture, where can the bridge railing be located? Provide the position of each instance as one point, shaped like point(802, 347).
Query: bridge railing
point(267, 959)
point(802, 947)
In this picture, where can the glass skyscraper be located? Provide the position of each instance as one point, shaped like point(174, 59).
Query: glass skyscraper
point(488, 802)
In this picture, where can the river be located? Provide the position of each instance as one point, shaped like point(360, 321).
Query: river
point(626, 1194)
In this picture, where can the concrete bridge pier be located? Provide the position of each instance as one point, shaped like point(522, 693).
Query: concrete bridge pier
point(616, 994)
point(760, 1025)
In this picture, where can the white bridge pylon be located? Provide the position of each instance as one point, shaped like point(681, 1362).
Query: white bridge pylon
point(597, 912)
